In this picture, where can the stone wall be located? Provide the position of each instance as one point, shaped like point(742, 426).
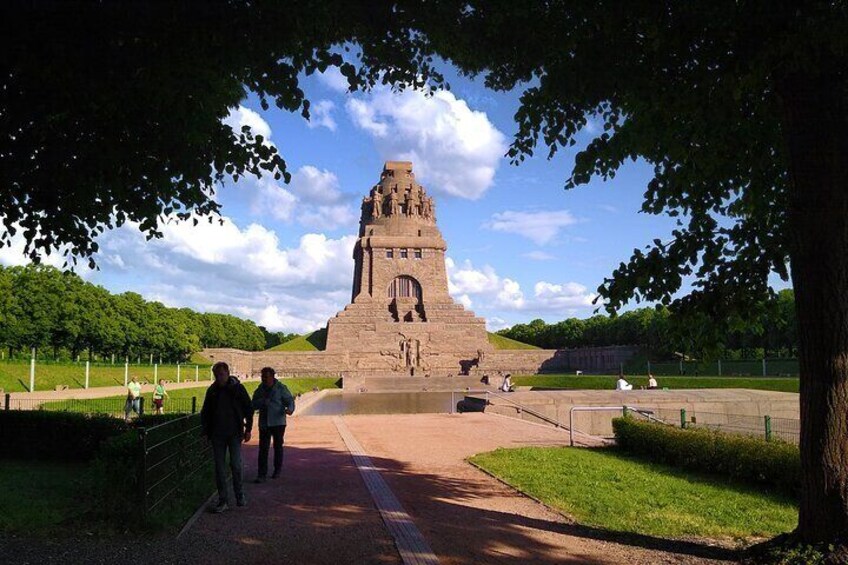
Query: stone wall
point(383, 363)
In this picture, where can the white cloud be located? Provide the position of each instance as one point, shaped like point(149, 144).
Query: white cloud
point(242, 116)
point(242, 271)
point(495, 323)
point(321, 115)
point(272, 199)
point(566, 296)
point(493, 292)
point(333, 79)
point(539, 256)
point(455, 150)
point(540, 227)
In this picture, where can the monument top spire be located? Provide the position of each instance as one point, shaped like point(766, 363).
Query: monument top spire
point(397, 195)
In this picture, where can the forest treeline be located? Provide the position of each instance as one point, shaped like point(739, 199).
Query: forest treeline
point(62, 316)
point(663, 335)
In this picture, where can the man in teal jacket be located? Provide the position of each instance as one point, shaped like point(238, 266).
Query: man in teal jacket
point(274, 402)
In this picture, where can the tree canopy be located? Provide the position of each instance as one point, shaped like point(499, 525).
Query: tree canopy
point(111, 113)
point(45, 308)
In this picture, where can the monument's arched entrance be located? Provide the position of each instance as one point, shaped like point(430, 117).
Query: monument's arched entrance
point(405, 299)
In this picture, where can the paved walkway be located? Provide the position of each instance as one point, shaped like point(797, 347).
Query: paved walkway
point(321, 512)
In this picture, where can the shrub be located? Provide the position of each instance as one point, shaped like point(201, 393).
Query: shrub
point(744, 458)
point(115, 471)
point(62, 436)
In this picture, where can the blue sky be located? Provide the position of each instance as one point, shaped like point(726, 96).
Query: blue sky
point(519, 245)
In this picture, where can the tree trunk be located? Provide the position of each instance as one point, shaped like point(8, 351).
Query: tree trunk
point(816, 129)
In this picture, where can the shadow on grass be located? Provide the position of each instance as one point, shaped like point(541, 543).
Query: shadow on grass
point(24, 385)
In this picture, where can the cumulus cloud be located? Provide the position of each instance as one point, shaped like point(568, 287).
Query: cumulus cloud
point(540, 227)
point(490, 291)
point(242, 116)
point(455, 149)
point(559, 297)
point(245, 271)
point(321, 115)
point(496, 323)
point(333, 79)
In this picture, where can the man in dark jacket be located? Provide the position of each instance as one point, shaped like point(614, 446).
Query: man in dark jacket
point(227, 420)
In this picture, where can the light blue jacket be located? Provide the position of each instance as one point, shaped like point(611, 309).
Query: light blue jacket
point(273, 403)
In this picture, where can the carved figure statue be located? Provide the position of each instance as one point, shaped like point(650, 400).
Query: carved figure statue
point(409, 202)
point(393, 203)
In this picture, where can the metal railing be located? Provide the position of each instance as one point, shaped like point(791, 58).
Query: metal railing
point(766, 426)
point(171, 454)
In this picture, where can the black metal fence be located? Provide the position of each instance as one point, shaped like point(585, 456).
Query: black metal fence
point(767, 427)
point(171, 454)
point(111, 406)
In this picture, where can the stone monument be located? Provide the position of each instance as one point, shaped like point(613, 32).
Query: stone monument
point(401, 318)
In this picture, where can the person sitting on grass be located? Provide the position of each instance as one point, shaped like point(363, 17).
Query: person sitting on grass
point(159, 394)
point(507, 383)
point(133, 403)
point(622, 384)
point(652, 382)
point(274, 402)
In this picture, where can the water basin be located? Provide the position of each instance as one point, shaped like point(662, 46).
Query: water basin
point(382, 403)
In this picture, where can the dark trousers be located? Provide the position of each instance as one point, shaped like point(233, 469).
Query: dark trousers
point(220, 447)
point(265, 436)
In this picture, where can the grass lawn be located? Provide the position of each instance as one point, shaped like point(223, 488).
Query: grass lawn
point(43, 498)
point(602, 382)
point(39, 496)
point(14, 376)
point(180, 398)
point(315, 341)
point(501, 342)
point(607, 489)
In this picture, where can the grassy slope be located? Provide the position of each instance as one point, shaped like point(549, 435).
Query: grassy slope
point(14, 377)
point(602, 382)
point(610, 490)
point(115, 403)
point(501, 342)
point(315, 341)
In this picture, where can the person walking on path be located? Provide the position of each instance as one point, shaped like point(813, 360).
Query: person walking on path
point(227, 419)
point(274, 402)
point(159, 394)
point(133, 403)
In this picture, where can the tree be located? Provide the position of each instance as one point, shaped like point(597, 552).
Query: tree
point(742, 109)
point(111, 113)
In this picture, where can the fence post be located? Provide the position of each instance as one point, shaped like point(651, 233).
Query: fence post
point(649, 367)
point(719, 367)
point(767, 420)
point(196, 374)
point(155, 373)
point(764, 366)
point(194, 405)
point(683, 417)
point(7, 400)
point(32, 372)
point(87, 372)
point(178, 373)
point(141, 406)
point(126, 371)
point(142, 471)
point(680, 366)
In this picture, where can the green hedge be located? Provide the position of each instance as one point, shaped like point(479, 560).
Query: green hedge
point(61, 436)
point(743, 458)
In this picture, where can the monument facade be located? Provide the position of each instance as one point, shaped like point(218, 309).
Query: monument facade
point(401, 318)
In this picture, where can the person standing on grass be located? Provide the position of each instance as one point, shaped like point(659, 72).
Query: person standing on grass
point(227, 420)
point(159, 394)
point(133, 403)
point(274, 402)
